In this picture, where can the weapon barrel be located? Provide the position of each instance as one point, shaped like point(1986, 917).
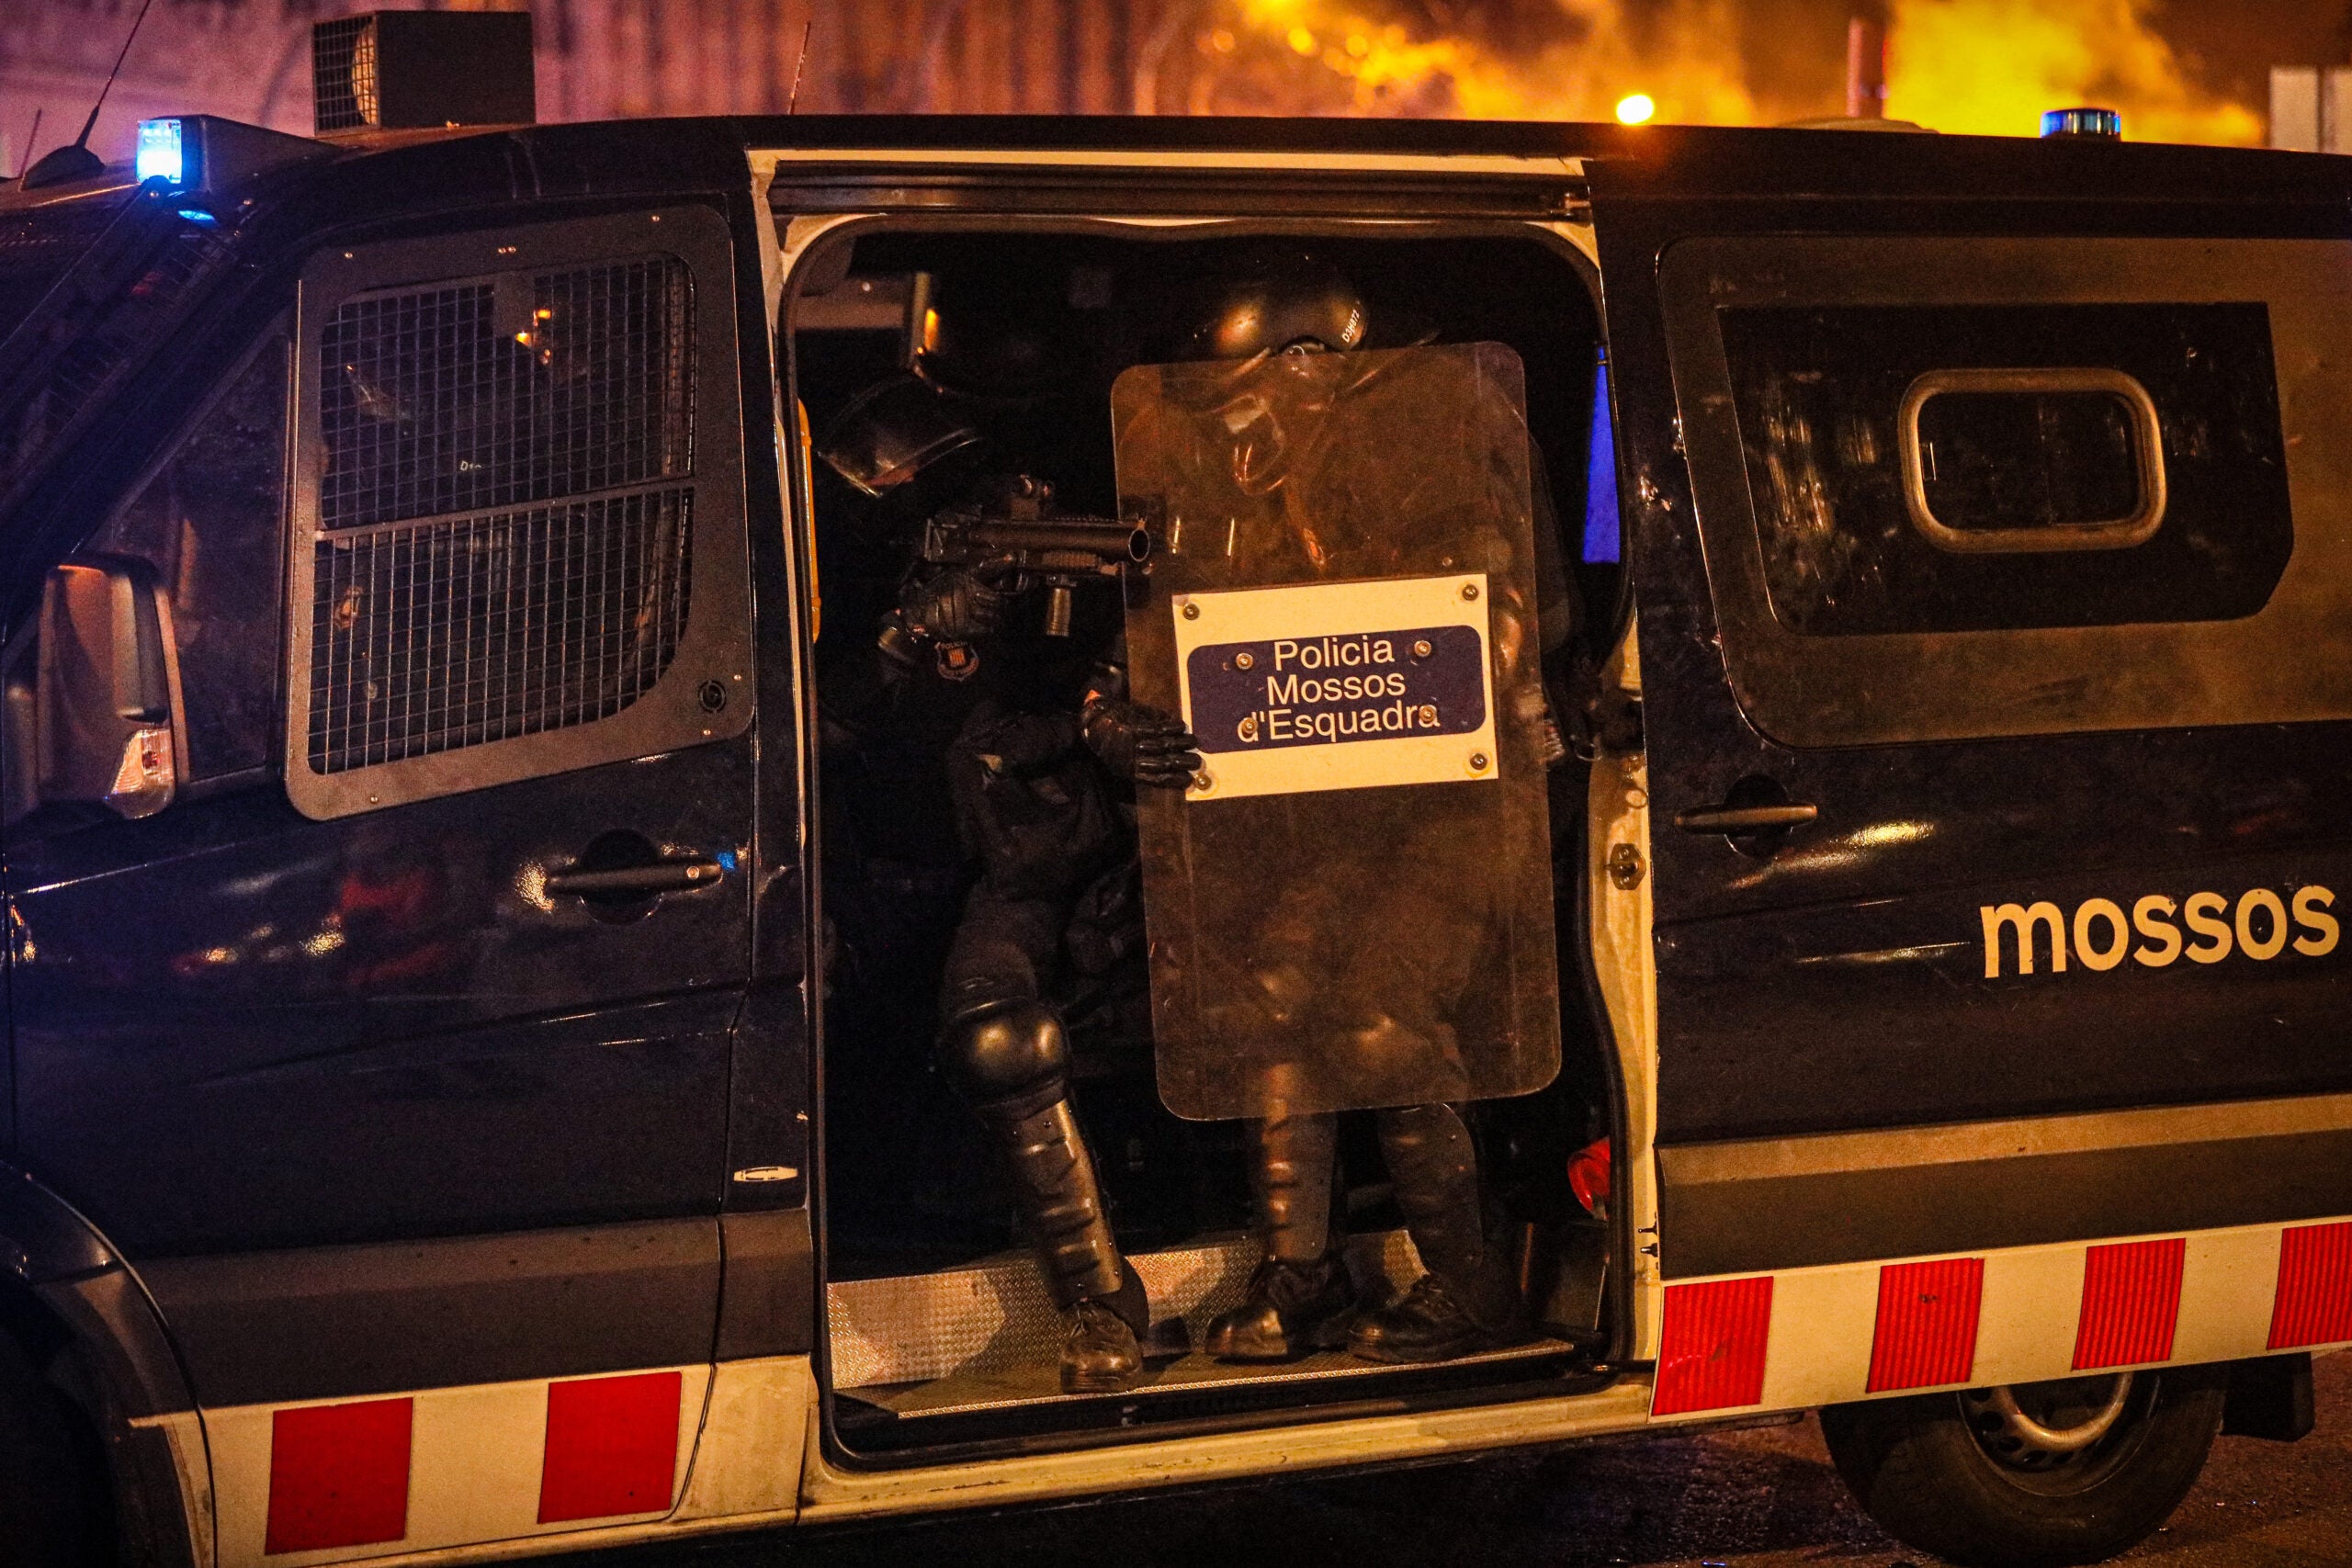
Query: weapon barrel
point(1098, 536)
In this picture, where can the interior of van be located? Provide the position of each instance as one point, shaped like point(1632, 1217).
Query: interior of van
point(939, 1332)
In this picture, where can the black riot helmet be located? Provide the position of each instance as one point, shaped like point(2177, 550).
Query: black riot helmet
point(997, 335)
point(1278, 301)
point(988, 344)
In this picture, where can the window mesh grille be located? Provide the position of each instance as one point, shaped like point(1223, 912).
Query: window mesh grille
point(505, 390)
point(443, 635)
point(343, 75)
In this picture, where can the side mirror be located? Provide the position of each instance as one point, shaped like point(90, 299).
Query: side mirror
point(105, 698)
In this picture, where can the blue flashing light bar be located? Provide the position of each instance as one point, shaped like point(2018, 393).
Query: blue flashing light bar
point(2082, 122)
point(163, 152)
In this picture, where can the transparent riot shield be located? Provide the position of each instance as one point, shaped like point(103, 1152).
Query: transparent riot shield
point(1351, 907)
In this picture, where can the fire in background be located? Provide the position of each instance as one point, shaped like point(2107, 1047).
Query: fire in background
point(2179, 70)
point(1985, 66)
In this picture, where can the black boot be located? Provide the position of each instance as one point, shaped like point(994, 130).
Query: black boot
point(1011, 1063)
point(1300, 1297)
point(1429, 1324)
point(1289, 1310)
point(1469, 1299)
point(1104, 1312)
point(1102, 1352)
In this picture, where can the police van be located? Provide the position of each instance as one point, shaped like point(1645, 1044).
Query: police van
point(1809, 673)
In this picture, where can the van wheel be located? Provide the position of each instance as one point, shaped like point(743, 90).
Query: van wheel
point(2035, 1474)
point(48, 1507)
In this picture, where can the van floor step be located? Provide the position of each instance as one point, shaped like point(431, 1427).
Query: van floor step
point(972, 1392)
point(995, 1315)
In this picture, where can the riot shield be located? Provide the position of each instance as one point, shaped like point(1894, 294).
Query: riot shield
point(1351, 907)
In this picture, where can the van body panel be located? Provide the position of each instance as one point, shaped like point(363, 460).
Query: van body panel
point(342, 1322)
point(1861, 972)
point(1963, 1186)
point(315, 1034)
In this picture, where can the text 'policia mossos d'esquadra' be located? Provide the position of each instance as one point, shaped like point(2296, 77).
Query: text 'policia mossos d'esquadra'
point(1329, 690)
point(2261, 923)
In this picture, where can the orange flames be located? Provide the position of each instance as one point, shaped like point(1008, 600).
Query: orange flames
point(1991, 66)
point(1982, 66)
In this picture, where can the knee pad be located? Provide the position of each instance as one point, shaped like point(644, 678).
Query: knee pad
point(1007, 1057)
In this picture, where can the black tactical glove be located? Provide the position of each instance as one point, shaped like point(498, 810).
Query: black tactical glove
point(954, 605)
point(1141, 744)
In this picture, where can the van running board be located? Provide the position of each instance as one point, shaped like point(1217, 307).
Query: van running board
point(974, 1393)
point(995, 1315)
point(984, 1339)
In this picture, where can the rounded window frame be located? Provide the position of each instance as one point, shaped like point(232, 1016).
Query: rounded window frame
point(2136, 527)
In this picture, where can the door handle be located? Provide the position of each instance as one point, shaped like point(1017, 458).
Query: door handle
point(638, 881)
point(1745, 818)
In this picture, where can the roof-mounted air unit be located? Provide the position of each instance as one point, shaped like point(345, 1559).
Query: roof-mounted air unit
point(423, 70)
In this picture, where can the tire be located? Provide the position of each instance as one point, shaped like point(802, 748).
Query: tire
point(2032, 1476)
point(48, 1499)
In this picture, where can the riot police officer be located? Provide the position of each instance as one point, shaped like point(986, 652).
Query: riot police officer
point(1385, 1004)
point(1039, 725)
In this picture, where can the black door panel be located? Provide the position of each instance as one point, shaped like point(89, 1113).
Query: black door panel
point(1835, 980)
point(260, 1328)
point(1877, 1012)
point(270, 1033)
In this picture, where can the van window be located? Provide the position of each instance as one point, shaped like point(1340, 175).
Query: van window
point(1936, 469)
point(2007, 461)
point(211, 522)
point(1951, 487)
point(506, 481)
point(498, 392)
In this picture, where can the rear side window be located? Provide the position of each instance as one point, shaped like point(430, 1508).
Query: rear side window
point(2008, 462)
point(522, 491)
point(1975, 468)
point(1952, 486)
point(503, 391)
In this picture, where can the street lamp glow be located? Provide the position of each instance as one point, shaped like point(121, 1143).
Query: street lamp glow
point(1636, 108)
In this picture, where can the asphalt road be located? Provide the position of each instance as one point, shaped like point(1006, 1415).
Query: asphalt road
point(1758, 1499)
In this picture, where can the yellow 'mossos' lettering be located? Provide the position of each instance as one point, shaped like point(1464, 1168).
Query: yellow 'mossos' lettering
point(2263, 899)
point(2024, 919)
point(2147, 916)
point(2093, 956)
point(2323, 927)
point(2198, 913)
point(2102, 936)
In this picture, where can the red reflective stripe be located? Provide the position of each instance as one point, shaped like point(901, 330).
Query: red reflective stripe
point(2130, 1303)
point(1926, 1332)
point(1711, 1351)
point(2314, 1301)
point(338, 1475)
point(612, 1447)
